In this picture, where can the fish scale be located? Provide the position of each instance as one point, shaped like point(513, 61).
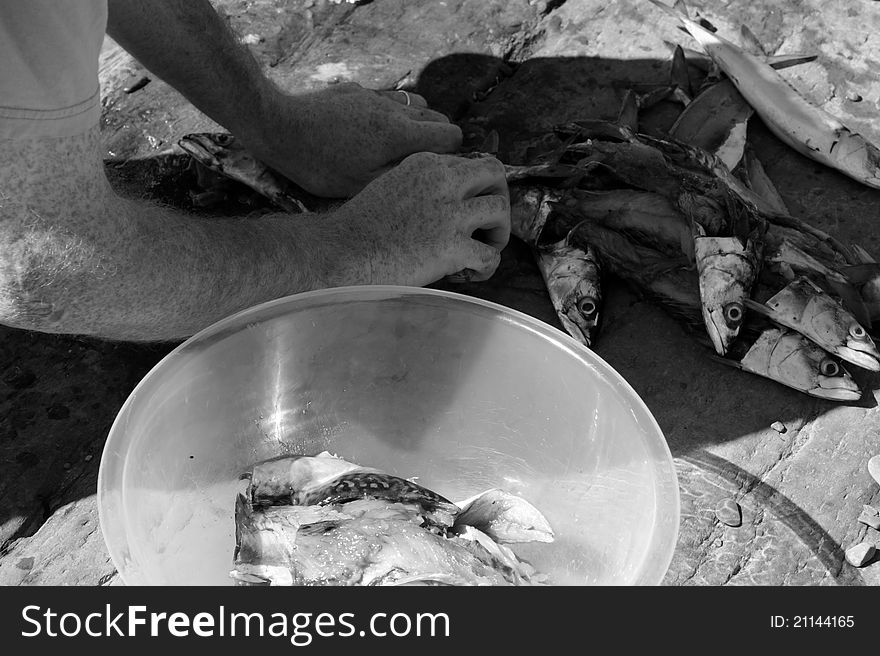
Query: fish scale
point(350, 487)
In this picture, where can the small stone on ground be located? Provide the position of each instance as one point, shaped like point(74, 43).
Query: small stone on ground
point(871, 517)
point(778, 426)
point(728, 512)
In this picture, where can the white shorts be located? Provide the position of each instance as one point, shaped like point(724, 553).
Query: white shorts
point(49, 53)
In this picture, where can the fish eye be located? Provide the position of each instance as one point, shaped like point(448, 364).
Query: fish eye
point(857, 331)
point(224, 139)
point(733, 314)
point(587, 307)
point(829, 368)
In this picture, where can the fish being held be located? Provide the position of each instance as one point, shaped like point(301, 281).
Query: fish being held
point(320, 520)
point(811, 131)
point(220, 152)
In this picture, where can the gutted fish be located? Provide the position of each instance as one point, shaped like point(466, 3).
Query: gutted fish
point(321, 520)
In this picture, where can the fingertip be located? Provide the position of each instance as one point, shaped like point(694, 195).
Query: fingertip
point(436, 137)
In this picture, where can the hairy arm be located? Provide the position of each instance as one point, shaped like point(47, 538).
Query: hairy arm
point(332, 142)
point(189, 46)
point(77, 258)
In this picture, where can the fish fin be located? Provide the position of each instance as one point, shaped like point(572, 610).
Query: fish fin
point(759, 182)
point(851, 299)
point(681, 7)
point(651, 98)
point(726, 361)
point(873, 308)
point(628, 115)
point(861, 273)
point(751, 43)
point(861, 254)
point(786, 61)
point(678, 73)
point(759, 308)
point(706, 25)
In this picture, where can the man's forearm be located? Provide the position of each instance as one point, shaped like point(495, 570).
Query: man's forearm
point(76, 258)
point(188, 45)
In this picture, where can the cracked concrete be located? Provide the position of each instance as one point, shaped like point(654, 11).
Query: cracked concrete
point(518, 67)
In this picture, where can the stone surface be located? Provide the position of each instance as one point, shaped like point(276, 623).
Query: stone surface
point(68, 548)
point(517, 67)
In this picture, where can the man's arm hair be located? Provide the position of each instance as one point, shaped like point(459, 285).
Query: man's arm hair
point(189, 45)
point(75, 257)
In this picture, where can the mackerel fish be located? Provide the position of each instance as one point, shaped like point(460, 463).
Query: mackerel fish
point(321, 520)
point(803, 306)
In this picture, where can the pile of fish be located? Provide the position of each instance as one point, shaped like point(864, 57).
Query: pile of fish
point(689, 218)
point(320, 520)
point(692, 221)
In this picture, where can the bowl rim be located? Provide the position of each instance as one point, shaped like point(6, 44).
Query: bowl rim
point(384, 292)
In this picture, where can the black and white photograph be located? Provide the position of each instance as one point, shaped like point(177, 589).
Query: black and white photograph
point(575, 295)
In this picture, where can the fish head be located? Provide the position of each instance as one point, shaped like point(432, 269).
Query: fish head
point(582, 317)
point(795, 361)
point(572, 276)
point(723, 323)
point(727, 270)
point(838, 331)
point(860, 348)
point(835, 382)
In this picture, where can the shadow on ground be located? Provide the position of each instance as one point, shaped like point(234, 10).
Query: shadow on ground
point(60, 394)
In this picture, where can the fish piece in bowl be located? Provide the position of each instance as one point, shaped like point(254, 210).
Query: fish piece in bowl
point(321, 520)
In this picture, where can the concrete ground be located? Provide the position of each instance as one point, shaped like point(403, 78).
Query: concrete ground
point(519, 67)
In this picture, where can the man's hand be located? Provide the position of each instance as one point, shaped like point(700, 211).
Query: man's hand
point(335, 141)
point(429, 217)
point(332, 142)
